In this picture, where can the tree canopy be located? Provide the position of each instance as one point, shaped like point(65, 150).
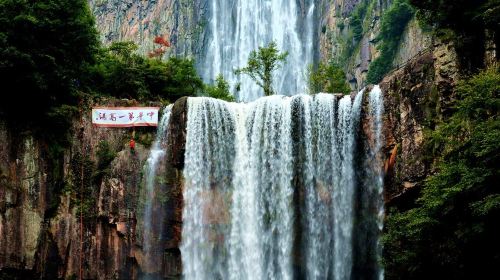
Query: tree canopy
point(120, 72)
point(261, 64)
point(220, 89)
point(328, 78)
point(45, 46)
point(51, 59)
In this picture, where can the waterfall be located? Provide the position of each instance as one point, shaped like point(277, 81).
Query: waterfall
point(237, 27)
point(376, 111)
point(152, 229)
point(264, 179)
point(272, 187)
point(208, 168)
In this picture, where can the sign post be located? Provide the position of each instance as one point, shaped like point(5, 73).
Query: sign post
point(125, 116)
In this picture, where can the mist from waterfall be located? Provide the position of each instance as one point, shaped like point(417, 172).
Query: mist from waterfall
point(152, 230)
point(272, 187)
point(237, 27)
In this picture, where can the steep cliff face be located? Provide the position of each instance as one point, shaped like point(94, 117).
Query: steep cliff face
point(415, 96)
point(179, 21)
point(23, 201)
point(349, 36)
point(40, 212)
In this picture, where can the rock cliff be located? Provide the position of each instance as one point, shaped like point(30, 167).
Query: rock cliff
point(180, 22)
point(415, 96)
point(41, 198)
point(338, 42)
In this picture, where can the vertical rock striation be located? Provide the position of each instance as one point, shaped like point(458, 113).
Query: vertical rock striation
point(180, 22)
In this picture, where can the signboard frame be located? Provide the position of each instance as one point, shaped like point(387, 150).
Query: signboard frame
point(130, 124)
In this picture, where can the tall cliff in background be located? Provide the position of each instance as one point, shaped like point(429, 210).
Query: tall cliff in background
point(220, 36)
point(179, 21)
point(349, 36)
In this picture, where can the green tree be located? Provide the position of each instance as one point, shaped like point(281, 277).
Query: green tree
point(261, 64)
point(328, 78)
point(45, 46)
point(220, 90)
point(452, 231)
point(120, 72)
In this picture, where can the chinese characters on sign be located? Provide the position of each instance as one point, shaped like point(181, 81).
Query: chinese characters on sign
point(125, 116)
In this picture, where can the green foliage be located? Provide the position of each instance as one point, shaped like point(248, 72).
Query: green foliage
point(261, 64)
point(44, 46)
point(144, 136)
point(459, 14)
point(328, 78)
point(220, 90)
point(452, 233)
point(340, 25)
point(356, 20)
point(393, 24)
point(120, 72)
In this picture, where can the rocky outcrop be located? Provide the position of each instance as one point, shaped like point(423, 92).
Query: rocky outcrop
point(408, 105)
point(416, 96)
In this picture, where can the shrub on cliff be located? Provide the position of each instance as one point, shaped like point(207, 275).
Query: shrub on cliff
point(459, 14)
point(261, 65)
point(219, 90)
point(464, 22)
point(453, 231)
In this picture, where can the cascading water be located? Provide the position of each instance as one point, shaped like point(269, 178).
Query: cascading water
point(263, 183)
point(209, 159)
point(271, 187)
point(376, 111)
point(237, 27)
point(151, 229)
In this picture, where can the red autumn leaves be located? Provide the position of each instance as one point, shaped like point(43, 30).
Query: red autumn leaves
point(163, 45)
